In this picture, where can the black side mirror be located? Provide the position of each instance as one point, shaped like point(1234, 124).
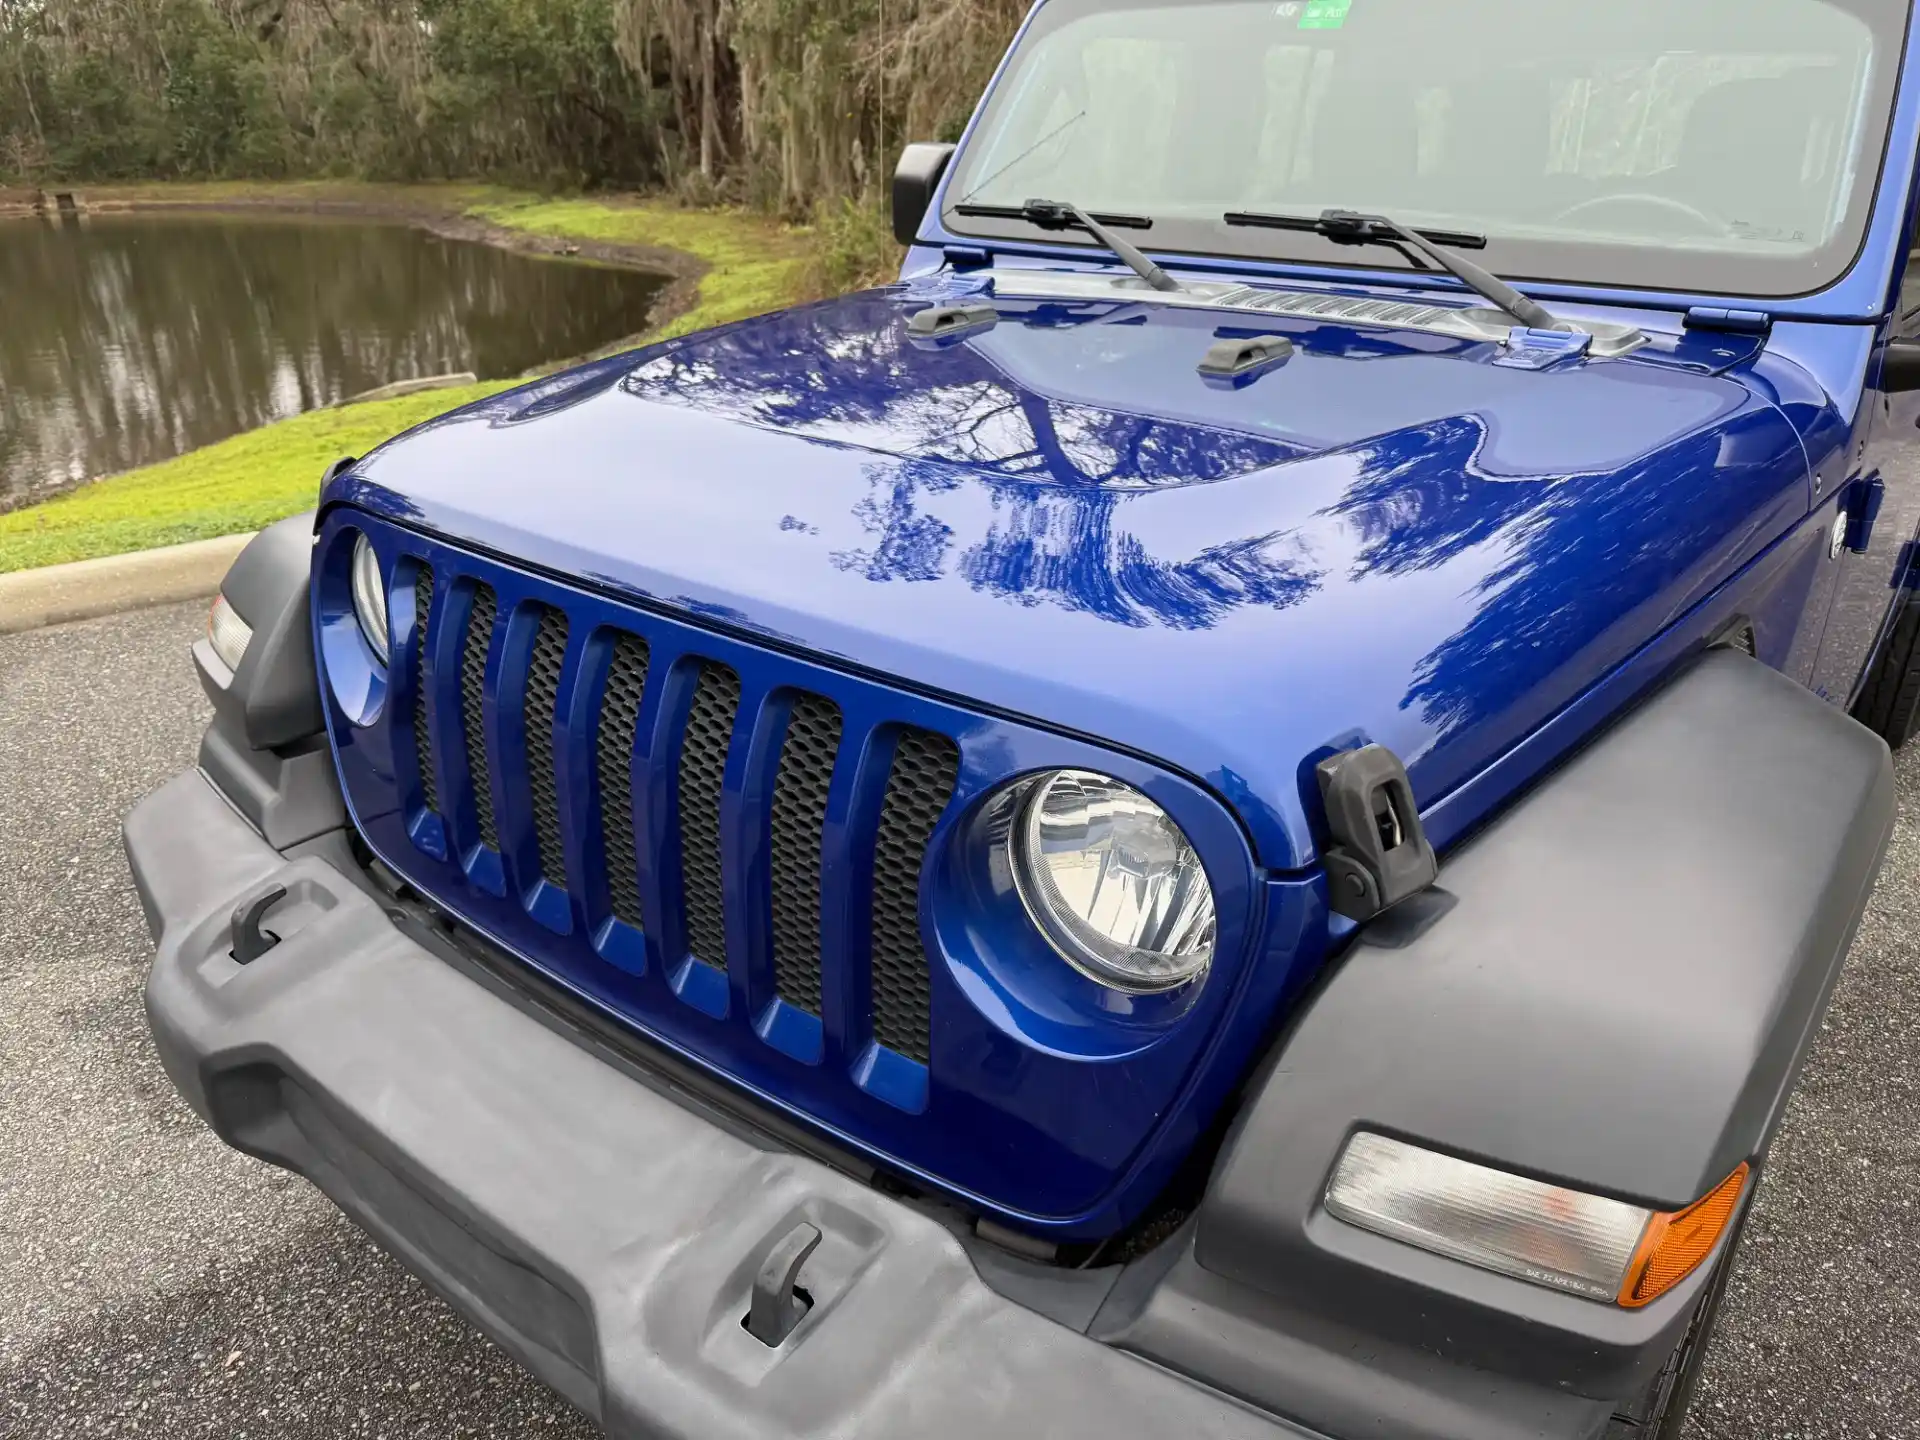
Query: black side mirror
point(1900, 368)
point(914, 180)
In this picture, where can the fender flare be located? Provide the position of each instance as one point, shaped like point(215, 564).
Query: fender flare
point(266, 749)
point(1636, 957)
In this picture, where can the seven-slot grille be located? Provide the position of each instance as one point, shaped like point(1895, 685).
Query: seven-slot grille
point(662, 730)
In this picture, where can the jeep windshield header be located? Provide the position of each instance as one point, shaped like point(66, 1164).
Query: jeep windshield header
point(1722, 146)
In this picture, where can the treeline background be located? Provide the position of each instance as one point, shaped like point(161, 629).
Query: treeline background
point(788, 105)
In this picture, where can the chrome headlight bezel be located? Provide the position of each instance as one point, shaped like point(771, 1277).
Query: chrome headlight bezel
point(1115, 962)
point(368, 585)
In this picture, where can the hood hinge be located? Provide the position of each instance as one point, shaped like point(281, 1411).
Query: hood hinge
point(1738, 322)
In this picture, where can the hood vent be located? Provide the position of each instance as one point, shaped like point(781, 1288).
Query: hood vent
point(1326, 306)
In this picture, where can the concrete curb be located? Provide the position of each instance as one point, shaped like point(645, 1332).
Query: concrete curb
point(85, 589)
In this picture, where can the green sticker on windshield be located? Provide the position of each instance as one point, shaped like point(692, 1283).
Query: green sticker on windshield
point(1324, 14)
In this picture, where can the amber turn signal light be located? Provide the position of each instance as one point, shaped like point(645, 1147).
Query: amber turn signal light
point(1674, 1243)
point(1591, 1245)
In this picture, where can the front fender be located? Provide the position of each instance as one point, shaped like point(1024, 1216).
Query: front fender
point(1637, 957)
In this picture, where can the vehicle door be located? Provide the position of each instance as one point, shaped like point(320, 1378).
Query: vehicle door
point(1881, 503)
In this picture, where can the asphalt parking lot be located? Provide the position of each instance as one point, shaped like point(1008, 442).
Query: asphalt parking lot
point(154, 1282)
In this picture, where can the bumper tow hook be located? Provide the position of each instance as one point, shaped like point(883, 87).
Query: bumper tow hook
point(250, 942)
point(778, 1303)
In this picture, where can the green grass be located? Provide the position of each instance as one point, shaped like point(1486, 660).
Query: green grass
point(438, 194)
point(754, 265)
point(221, 489)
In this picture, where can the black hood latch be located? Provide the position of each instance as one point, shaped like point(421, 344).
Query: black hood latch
point(1379, 854)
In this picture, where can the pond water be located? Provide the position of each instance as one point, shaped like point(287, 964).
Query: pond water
point(126, 339)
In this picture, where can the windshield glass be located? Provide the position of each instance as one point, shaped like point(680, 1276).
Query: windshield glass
point(1727, 146)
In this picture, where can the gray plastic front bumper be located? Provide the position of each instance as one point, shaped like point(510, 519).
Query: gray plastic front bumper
point(603, 1231)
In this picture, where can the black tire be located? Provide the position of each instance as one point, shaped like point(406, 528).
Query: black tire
point(1890, 704)
point(1661, 1412)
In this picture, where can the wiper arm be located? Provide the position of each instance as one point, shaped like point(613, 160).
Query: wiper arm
point(1059, 215)
point(1346, 227)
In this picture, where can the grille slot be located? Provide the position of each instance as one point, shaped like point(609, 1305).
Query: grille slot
point(422, 733)
point(613, 755)
point(799, 818)
point(543, 699)
point(703, 764)
point(473, 683)
point(919, 785)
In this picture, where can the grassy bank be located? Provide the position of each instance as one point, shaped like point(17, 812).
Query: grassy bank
point(754, 265)
point(748, 265)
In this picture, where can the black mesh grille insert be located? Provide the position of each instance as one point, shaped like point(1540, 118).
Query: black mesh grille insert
point(613, 756)
point(473, 678)
point(422, 736)
point(925, 767)
point(572, 738)
point(543, 695)
point(703, 762)
point(799, 815)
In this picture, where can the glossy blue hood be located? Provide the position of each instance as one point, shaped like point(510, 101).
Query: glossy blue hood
point(1393, 536)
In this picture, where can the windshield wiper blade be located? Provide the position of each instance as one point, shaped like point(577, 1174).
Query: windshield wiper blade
point(1347, 227)
point(1059, 215)
point(1318, 225)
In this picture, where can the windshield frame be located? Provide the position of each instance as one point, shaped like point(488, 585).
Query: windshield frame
point(1567, 267)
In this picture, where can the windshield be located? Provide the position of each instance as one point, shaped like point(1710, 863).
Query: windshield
point(1726, 146)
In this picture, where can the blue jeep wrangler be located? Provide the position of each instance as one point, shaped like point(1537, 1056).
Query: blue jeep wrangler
point(1240, 841)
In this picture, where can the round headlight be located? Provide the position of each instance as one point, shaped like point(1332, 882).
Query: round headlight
point(370, 597)
point(1113, 883)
